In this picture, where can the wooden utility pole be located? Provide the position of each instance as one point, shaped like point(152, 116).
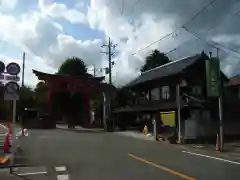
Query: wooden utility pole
point(220, 106)
point(110, 53)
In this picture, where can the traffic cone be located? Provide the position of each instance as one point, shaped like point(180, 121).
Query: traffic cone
point(23, 132)
point(217, 143)
point(6, 144)
point(9, 127)
point(145, 130)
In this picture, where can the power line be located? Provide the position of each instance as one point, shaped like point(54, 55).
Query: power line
point(169, 34)
point(219, 23)
point(212, 44)
point(209, 29)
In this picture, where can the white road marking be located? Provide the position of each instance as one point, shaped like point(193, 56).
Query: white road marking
point(32, 173)
point(212, 157)
point(4, 126)
point(63, 177)
point(60, 168)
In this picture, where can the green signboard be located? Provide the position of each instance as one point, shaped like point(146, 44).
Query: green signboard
point(213, 77)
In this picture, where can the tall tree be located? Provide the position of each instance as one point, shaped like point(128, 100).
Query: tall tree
point(73, 66)
point(41, 93)
point(155, 59)
point(26, 99)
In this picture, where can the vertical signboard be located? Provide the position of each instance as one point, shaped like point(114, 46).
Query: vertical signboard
point(213, 77)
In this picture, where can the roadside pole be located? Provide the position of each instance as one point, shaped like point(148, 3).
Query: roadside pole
point(220, 105)
point(11, 94)
point(178, 112)
point(13, 130)
point(104, 111)
point(220, 123)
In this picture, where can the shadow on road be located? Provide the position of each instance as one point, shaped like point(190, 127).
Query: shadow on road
point(85, 130)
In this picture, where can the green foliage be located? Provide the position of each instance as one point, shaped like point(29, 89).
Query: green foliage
point(41, 91)
point(26, 99)
point(73, 66)
point(154, 60)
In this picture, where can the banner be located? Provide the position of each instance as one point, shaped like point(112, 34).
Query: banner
point(213, 77)
point(168, 118)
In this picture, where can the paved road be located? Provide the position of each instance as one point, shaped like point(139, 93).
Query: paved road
point(93, 155)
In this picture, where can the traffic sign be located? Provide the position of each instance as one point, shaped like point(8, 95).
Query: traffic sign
point(2, 67)
point(11, 78)
point(10, 92)
point(13, 68)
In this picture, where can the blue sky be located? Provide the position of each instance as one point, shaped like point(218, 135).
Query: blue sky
point(81, 31)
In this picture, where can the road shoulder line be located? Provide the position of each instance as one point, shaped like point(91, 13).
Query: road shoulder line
point(211, 157)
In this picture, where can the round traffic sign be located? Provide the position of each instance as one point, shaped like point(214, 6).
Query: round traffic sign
point(11, 87)
point(2, 67)
point(13, 68)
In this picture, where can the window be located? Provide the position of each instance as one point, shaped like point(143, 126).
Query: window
point(155, 94)
point(197, 90)
point(165, 92)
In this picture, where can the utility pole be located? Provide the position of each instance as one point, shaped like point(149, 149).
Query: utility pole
point(220, 105)
point(94, 70)
point(23, 68)
point(110, 53)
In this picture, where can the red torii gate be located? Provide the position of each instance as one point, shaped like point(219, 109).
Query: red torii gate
point(67, 83)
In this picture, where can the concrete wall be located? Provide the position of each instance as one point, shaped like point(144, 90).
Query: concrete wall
point(210, 128)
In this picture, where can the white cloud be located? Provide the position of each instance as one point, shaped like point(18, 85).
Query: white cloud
point(8, 4)
point(45, 43)
point(136, 26)
point(58, 10)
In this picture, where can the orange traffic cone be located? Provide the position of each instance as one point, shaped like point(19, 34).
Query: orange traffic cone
point(6, 144)
point(145, 130)
point(217, 143)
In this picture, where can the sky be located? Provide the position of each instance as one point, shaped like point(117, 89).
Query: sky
point(49, 31)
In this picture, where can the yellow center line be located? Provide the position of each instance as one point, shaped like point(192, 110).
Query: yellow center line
point(163, 168)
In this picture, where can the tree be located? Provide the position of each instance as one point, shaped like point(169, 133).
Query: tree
point(41, 94)
point(155, 59)
point(26, 99)
point(73, 66)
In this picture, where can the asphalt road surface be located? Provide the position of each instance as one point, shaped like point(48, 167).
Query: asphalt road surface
point(97, 155)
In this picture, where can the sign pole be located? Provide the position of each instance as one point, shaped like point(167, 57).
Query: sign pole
point(104, 112)
point(13, 130)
